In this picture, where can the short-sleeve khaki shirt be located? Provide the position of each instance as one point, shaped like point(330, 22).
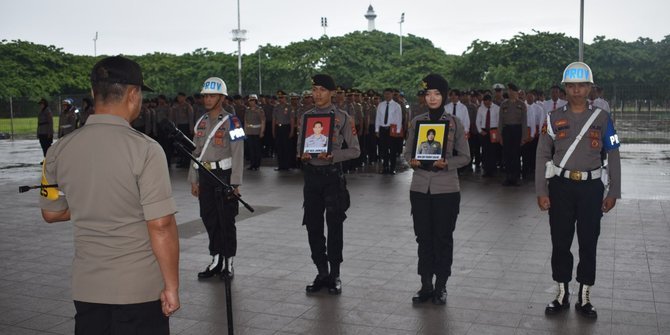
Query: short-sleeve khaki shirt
point(113, 179)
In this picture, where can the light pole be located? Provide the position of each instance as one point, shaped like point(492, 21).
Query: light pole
point(239, 35)
point(260, 85)
point(402, 19)
point(581, 31)
point(324, 24)
point(95, 46)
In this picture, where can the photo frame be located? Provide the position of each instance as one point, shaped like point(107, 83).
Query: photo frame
point(317, 131)
point(428, 149)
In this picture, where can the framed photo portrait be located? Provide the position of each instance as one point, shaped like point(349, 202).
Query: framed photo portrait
point(430, 140)
point(317, 130)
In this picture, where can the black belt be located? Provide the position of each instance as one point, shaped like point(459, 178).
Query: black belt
point(42, 123)
point(325, 170)
point(283, 125)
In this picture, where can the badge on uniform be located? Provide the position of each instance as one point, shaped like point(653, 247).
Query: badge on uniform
point(236, 131)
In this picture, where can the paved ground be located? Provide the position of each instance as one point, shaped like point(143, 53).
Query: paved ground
point(501, 273)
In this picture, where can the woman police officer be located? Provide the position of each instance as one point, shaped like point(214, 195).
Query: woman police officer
point(435, 195)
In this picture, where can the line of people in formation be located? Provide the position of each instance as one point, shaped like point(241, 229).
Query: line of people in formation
point(272, 123)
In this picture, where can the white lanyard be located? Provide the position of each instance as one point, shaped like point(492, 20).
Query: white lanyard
point(211, 134)
point(572, 147)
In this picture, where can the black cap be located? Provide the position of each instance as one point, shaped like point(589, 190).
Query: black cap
point(513, 87)
point(435, 81)
point(118, 70)
point(325, 81)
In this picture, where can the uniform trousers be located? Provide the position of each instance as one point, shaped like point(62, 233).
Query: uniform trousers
point(140, 319)
point(268, 141)
point(323, 192)
point(218, 212)
point(434, 217)
point(283, 146)
point(512, 151)
point(528, 157)
point(490, 153)
point(166, 143)
point(184, 161)
point(574, 203)
point(475, 149)
point(387, 148)
point(255, 147)
point(371, 145)
point(45, 142)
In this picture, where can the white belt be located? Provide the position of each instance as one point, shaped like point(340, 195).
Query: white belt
point(223, 164)
point(254, 125)
point(578, 175)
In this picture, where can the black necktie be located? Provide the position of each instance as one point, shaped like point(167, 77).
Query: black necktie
point(454, 109)
point(386, 114)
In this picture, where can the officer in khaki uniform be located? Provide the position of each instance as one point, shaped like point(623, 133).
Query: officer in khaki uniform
point(512, 124)
point(68, 120)
point(326, 188)
point(282, 132)
point(255, 130)
point(45, 126)
point(569, 184)
point(116, 189)
point(219, 145)
point(435, 194)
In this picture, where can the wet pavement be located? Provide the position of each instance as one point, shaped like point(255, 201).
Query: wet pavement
point(501, 274)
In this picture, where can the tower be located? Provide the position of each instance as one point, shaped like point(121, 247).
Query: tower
point(370, 15)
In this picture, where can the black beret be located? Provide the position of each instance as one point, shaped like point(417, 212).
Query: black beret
point(513, 87)
point(325, 81)
point(435, 81)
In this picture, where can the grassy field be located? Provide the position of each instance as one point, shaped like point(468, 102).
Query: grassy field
point(23, 126)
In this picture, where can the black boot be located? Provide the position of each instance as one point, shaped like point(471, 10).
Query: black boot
point(320, 281)
point(583, 305)
point(228, 270)
point(440, 293)
point(426, 291)
point(562, 301)
point(213, 268)
point(335, 285)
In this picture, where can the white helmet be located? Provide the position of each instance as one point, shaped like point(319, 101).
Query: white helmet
point(498, 86)
point(577, 72)
point(214, 85)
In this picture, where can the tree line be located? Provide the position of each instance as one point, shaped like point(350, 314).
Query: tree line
point(360, 59)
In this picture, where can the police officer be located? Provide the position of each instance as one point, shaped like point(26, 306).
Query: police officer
point(498, 94)
point(219, 141)
point(254, 128)
point(162, 112)
point(68, 120)
point(116, 189)
point(512, 123)
point(182, 114)
point(435, 195)
point(45, 126)
point(568, 176)
point(325, 188)
point(282, 132)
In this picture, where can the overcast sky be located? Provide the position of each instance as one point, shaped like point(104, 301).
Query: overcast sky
point(137, 27)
